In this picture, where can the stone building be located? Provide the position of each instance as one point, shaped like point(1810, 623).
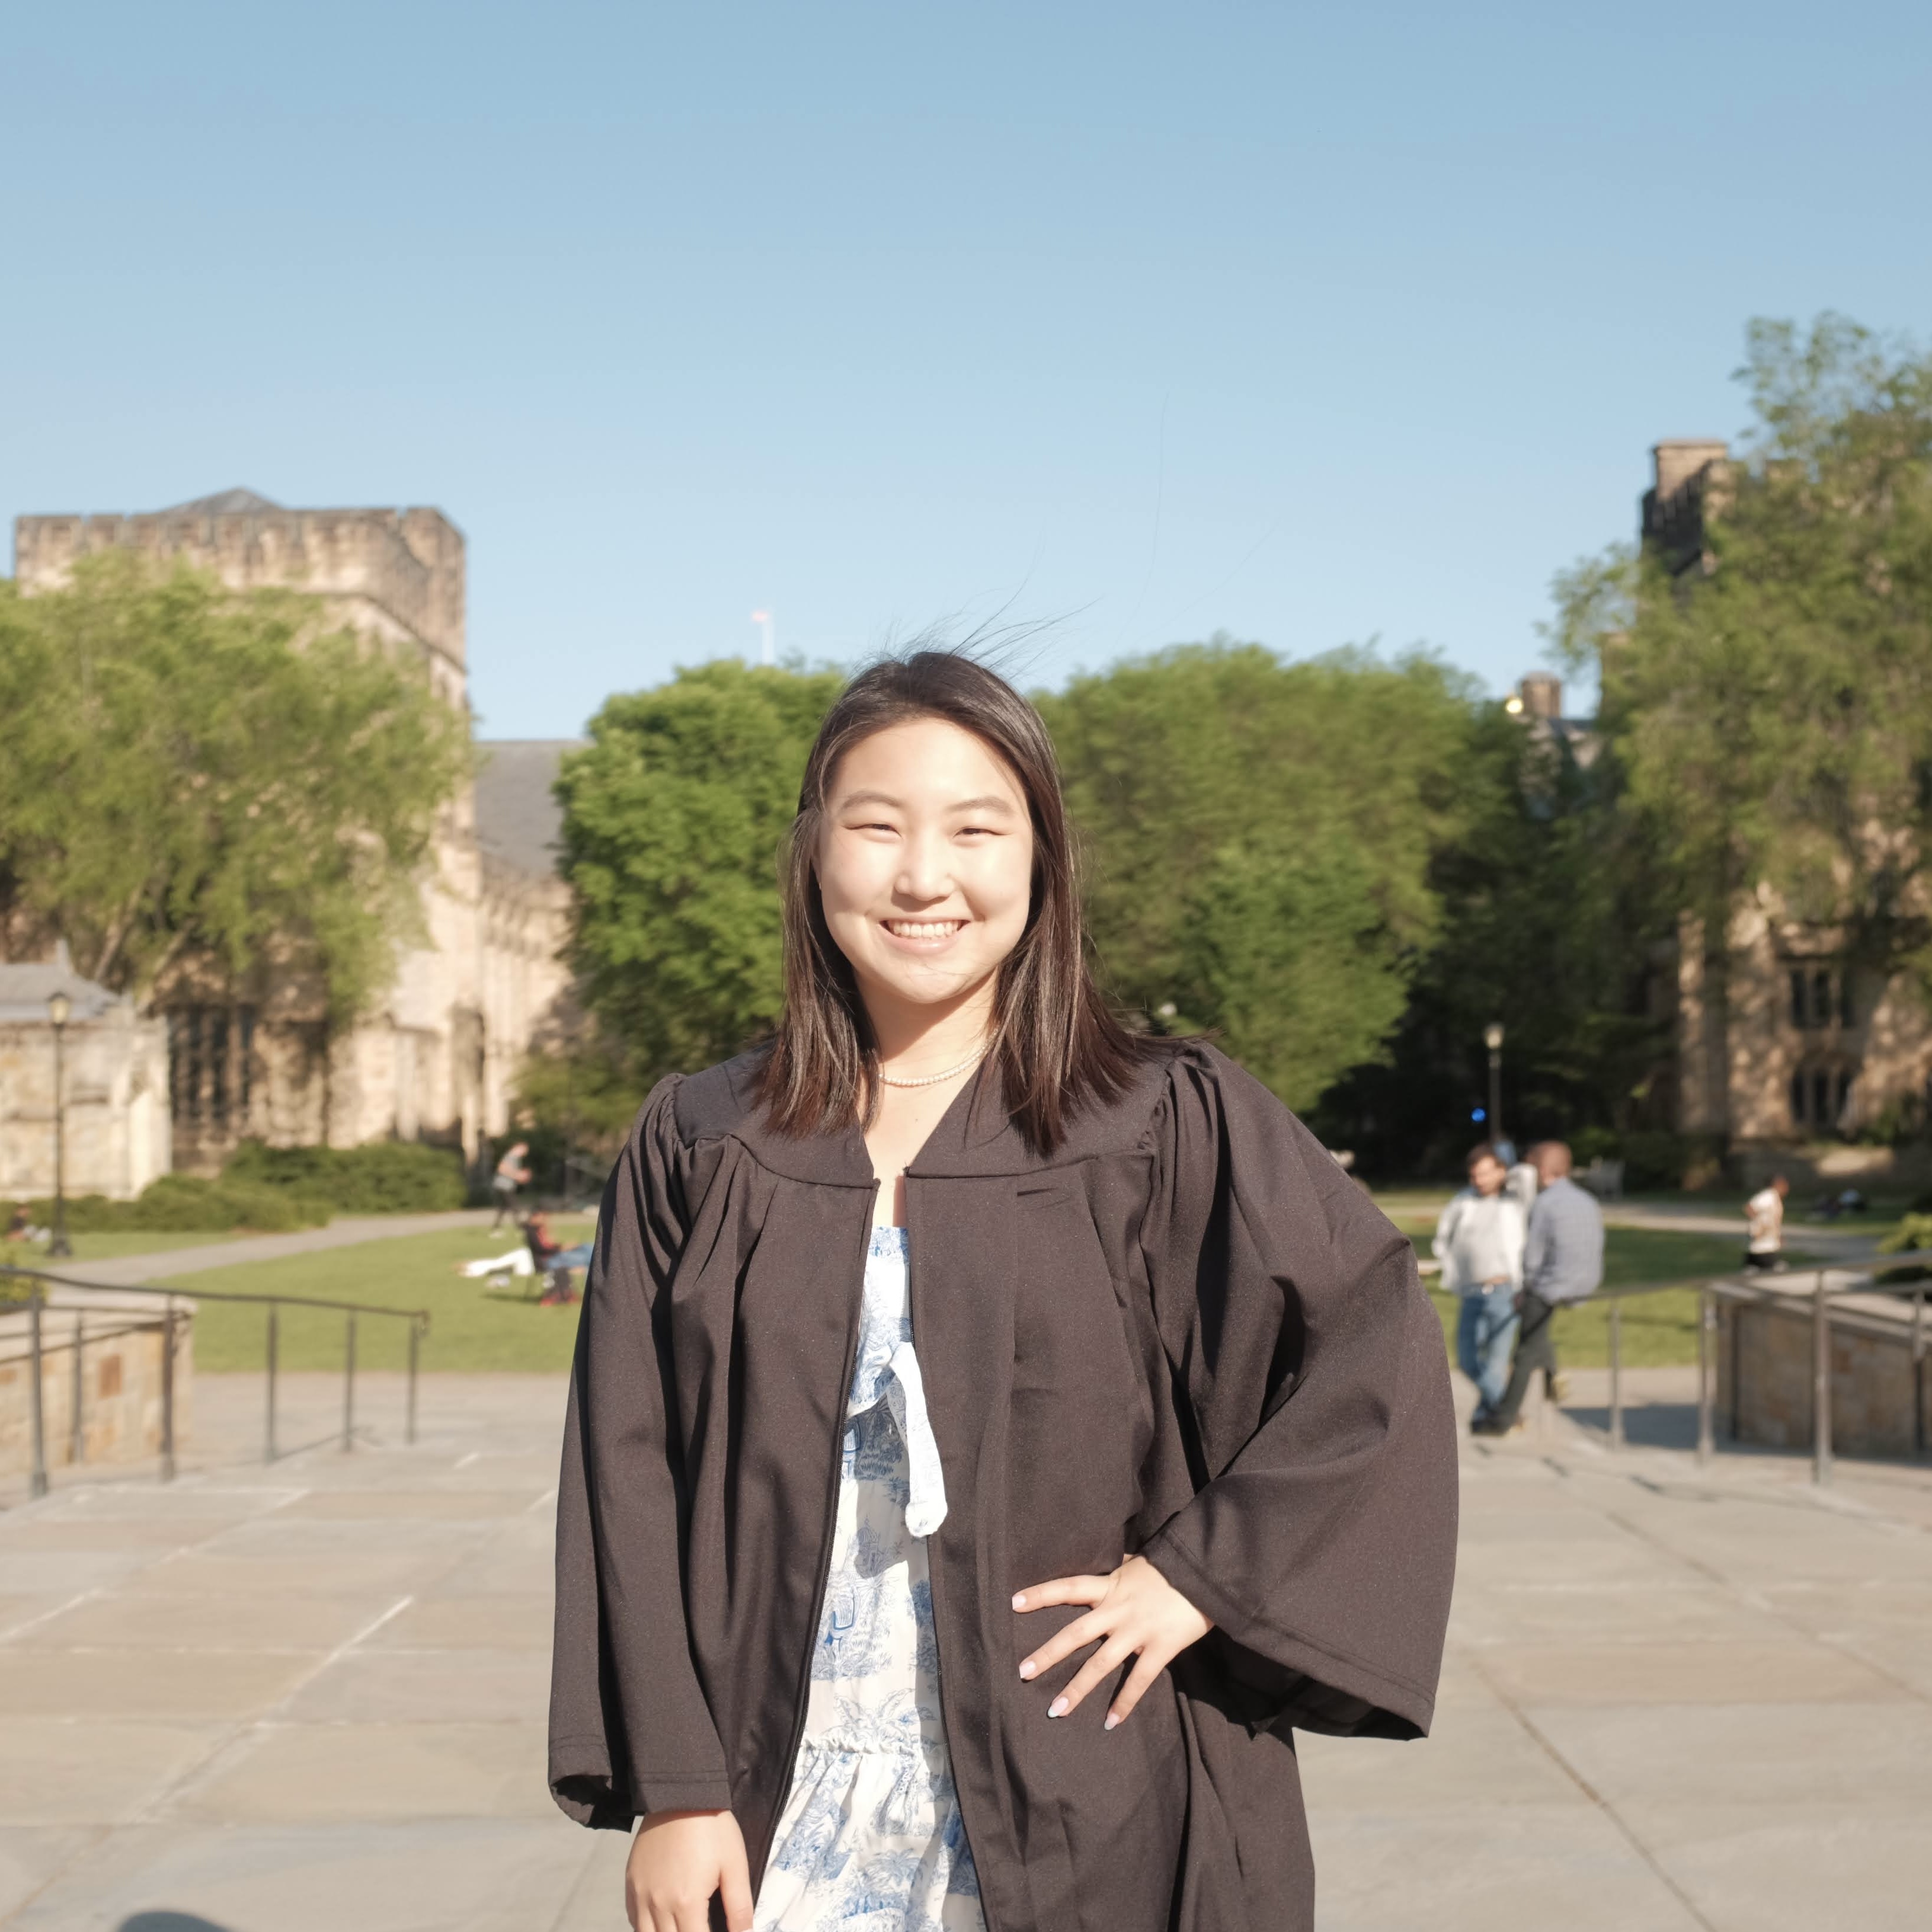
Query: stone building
point(436, 1058)
point(113, 1087)
point(1781, 1041)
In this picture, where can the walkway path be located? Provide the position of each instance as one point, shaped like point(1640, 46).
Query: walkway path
point(297, 1699)
point(346, 1231)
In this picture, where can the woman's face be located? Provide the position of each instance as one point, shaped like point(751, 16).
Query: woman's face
point(926, 865)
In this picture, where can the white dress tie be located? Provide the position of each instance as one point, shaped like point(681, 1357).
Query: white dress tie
point(887, 1368)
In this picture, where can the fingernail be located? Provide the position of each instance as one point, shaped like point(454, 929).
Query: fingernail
point(1027, 1670)
point(1057, 1708)
point(1111, 1721)
point(1019, 1602)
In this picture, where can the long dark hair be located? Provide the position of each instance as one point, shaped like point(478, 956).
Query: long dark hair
point(1056, 1045)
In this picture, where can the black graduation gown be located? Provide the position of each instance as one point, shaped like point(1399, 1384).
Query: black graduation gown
point(1187, 1333)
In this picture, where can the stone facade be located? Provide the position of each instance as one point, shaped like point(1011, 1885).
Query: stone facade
point(113, 1082)
point(437, 1058)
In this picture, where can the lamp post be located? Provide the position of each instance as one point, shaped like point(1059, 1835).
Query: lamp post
point(58, 1007)
point(1493, 1038)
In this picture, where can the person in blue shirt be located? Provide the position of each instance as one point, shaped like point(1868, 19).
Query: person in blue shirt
point(1562, 1262)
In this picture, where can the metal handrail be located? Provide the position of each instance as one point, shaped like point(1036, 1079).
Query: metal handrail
point(36, 1299)
point(1758, 1288)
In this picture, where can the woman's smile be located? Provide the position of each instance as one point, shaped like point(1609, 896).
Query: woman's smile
point(924, 935)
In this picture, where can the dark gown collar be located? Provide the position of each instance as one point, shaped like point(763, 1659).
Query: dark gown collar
point(975, 1138)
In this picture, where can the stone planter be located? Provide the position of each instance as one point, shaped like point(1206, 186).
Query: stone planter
point(114, 1382)
point(1879, 1372)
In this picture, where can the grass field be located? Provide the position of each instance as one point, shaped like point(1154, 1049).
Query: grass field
point(1659, 1330)
point(107, 1247)
point(474, 1327)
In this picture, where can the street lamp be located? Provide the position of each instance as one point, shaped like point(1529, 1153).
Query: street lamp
point(1493, 1038)
point(58, 1007)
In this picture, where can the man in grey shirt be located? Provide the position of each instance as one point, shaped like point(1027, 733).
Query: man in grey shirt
point(1562, 1261)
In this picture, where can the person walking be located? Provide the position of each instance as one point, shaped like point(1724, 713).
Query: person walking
point(991, 1431)
point(512, 1172)
point(1479, 1241)
point(1562, 1261)
point(1764, 1226)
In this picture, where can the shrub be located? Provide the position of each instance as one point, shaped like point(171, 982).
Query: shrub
point(384, 1178)
point(182, 1204)
point(1914, 1231)
point(180, 1201)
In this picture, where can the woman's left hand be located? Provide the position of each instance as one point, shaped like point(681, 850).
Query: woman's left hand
point(1135, 1611)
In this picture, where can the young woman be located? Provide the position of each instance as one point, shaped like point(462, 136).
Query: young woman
point(991, 1435)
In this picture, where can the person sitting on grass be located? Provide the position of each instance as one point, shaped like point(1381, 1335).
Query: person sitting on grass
point(552, 1262)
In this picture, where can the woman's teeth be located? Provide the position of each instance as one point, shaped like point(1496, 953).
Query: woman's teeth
point(923, 929)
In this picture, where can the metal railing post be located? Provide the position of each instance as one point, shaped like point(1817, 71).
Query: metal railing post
point(37, 1482)
point(275, 1354)
point(1707, 1323)
point(415, 1349)
point(1616, 1375)
point(349, 1386)
point(1918, 1425)
point(1821, 1383)
point(76, 1434)
point(168, 1391)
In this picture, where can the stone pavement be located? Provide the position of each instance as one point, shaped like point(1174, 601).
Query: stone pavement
point(310, 1697)
point(346, 1231)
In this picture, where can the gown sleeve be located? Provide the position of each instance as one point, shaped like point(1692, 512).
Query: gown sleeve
point(1321, 1537)
point(630, 1729)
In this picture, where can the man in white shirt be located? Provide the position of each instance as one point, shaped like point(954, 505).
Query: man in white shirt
point(1479, 1241)
point(1764, 1225)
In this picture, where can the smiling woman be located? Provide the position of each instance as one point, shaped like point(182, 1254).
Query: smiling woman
point(931, 912)
point(957, 1358)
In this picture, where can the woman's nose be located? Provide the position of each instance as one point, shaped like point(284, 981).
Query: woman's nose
point(924, 873)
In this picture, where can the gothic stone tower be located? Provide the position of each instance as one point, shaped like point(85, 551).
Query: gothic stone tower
point(435, 1060)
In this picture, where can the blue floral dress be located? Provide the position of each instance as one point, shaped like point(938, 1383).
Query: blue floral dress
point(871, 1835)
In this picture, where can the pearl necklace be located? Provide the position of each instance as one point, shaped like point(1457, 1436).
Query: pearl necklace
point(934, 1079)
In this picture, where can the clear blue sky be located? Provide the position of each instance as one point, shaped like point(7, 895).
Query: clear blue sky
point(1312, 325)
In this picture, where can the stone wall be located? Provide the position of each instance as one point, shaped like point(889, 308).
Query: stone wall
point(118, 1386)
point(395, 574)
point(1765, 1364)
point(119, 1135)
point(1773, 1065)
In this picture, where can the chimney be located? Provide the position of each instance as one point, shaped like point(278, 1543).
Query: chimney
point(1542, 693)
point(1682, 458)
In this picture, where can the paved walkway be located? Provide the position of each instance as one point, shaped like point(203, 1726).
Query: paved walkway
point(347, 1231)
point(309, 1697)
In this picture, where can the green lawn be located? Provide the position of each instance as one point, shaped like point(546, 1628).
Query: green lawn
point(1659, 1330)
point(108, 1247)
point(473, 1327)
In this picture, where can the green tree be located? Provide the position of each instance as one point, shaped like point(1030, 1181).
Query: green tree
point(194, 774)
point(674, 817)
point(1258, 839)
point(1549, 917)
point(1770, 707)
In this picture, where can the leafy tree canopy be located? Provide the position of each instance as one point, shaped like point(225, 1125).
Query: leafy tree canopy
point(674, 817)
point(1259, 836)
point(192, 773)
point(1771, 707)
